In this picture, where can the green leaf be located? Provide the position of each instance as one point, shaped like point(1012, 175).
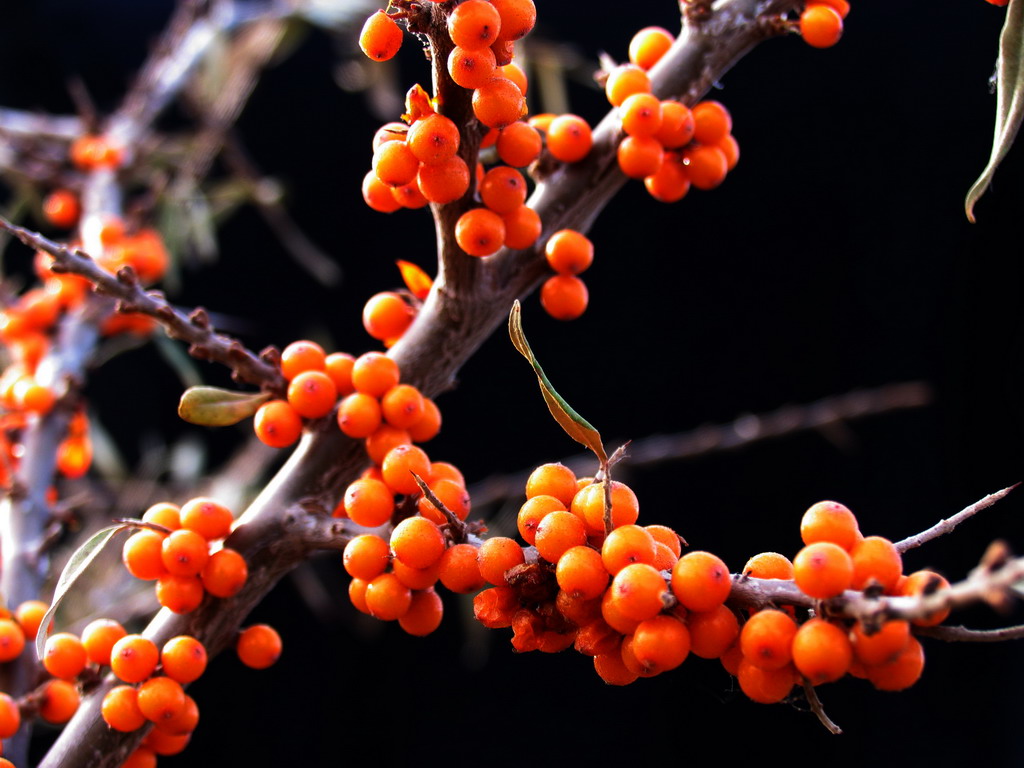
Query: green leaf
point(578, 428)
point(79, 561)
point(1009, 99)
point(216, 407)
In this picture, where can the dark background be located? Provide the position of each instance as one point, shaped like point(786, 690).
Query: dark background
point(835, 257)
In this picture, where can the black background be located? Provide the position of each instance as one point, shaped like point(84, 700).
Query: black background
point(836, 256)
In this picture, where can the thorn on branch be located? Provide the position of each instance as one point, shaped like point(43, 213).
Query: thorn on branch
point(199, 318)
point(817, 708)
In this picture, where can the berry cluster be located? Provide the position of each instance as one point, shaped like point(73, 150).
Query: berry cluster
point(181, 551)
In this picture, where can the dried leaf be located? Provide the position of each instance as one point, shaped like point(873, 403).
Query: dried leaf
point(79, 561)
point(578, 428)
point(216, 407)
point(1009, 99)
point(416, 280)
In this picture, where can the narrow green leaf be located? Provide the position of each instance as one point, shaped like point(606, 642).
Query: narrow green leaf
point(79, 561)
point(216, 407)
point(1009, 99)
point(578, 428)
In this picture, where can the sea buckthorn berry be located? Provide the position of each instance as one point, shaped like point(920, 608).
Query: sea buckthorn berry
point(338, 365)
point(402, 406)
point(821, 651)
point(357, 595)
point(557, 532)
point(141, 757)
point(277, 424)
point(369, 502)
point(184, 722)
point(377, 194)
point(522, 227)
point(179, 594)
point(387, 598)
point(596, 638)
point(769, 565)
point(185, 552)
point(765, 686)
point(474, 24)
point(624, 81)
point(648, 45)
point(925, 583)
point(444, 182)
point(639, 156)
point(498, 103)
point(767, 638)
point(61, 208)
point(517, 18)
point(569, 138)
point(876, 559)
point(706, 166)
point(161, 699)
point(471, 69)
point(564, 297)
point(532, 512)
point(519, 144)
point(312, 394)
point(842, 7)
point(33, 397)
point(902, 672)
point(302, 356)
point(569, 252)
point(207, 517)
point(578, 610)
point(424, 614)
point(409, 196)
point(59, 701)
point(495, 607)
point(883, 646)
point(225, 573)
point(359, 415)
point(366, 557)
point(677, 125)
point(259, 646)
point(395, 164)
point(631, 661)
point(416, 578)
point(731, 149)
point(497, 555)
point(552, 479)
point(381, 37)
point(166, 744)
point(712, 122)
point(480, 232)
point(712, 632)
point(393, 131)
point(701, 581)
point(434, 138)
point(383, 439)
point(823, 570)
point(417, 542)
point(90, 152)
point(829, 521)
point(399, 466)
point(29, 616)
point(641, 115)
point(503, 189)
point(670, 182)
point(661, 643)
point(184, 659)
point(588, 503)
point(143, 555)
point(166, 514)
point(611, 669)
point(12, 640)
point(459, 569)
point(638, 591)
point(64, 656)
point(665, 535)
point(374, 373)
point(625, 545)
point(821, 26)
point(516, 74)
point(428, 424)
point(133, 658)
point(453, 496)
point(613, 615)
point(120, 709)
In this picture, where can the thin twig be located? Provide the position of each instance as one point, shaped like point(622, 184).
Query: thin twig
point(817, 708)
point(962, 634)
point(945, 526)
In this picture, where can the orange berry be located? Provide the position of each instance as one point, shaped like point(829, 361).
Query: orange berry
point(417, 542)
point(357, 595)
point(517, 18)
point(395, 164)
point(374, 373)
point(661, 643)
point(498, 102)
point(424, 614)
point(665, 535)
point(179, 594)
point(302, 356)
point(369, 502)
point(876, 559)
point(639, 156)
point(552, 480)
point(588, 503)
point(12, 640)
point(557, 532)
point(399, 466)
point(701, 581)
point(141, 757)
point(59, 701)
point(409, 196)
point(474, 24)
point(184, 722)
point(64, 656)
point(569, 252)
point(416, 578)
point(497, 555)
point(823, 570)
point(648, 45)
point(902, 672)
point(163, 743)
point(821, 26)
point(185, 552)
point(564, 297)
point(387, 598)
point(638, 591)
point(712, 122)
point(925, 583)
point(383, 439)
point(821, 651)
point(359, 415)
point(377, 194)
point(625, 545)
point(731, 149)
point(29, 616)
point(258, 646)
point(471, 69)
point(338, 365)
point(312, 394)
point(569, 138)
point(712, 632)
point(518, 144)
point(428, 424)
point(434, 138)
point(402, 406)
point(393, 131)
point(166, 514)
point(161, 699)
point(641, 115)
point(767, 638)
point(522, 227)
point(765, 686)
point(33, 397)
point(459, 570)
point(207, 517)
point(480, 232)
point(769, 565)
point(532, 512)
point(61, 208)
point(142, 555)
point(444, 182)
point(624, 81)
point(133, 658)
point(277, 424)
point(677, 125)
point(503, 189)
point(120, 709)
point(386, 316)
point(670, 182)
point(829, 521)
point(184, 659)
point(706, 166)
point(611, 669)
point(381, 37)
point(883, 646)
point(90, 152)
point(225, 573)
point(366, 557)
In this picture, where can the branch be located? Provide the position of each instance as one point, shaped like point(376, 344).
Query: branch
point(194, 328)
point(945, 526)
point(818, 708)
point(964, 635)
